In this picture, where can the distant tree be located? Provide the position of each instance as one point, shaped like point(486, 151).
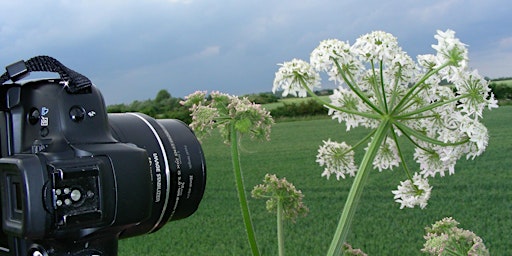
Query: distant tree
point(262, 98)
point(117, 108)
point(162, 95)
point(304, 108)
point(501, 90)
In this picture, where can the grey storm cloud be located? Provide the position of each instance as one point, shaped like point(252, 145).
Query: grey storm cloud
point(132, 49)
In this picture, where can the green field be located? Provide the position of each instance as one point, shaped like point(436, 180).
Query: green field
point(479, 196)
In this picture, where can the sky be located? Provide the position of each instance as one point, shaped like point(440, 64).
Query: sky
point(131, 49)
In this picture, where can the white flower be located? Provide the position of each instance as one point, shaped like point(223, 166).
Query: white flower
point(427, 61)
point(323, 56)
point(338, 158)
point(383, 89)
point(376, 46)
point(387, 157)
point(402, 70)
point(478, 94)
point(347, 99)
point(450, 50)
point(412, 193)
point(288, 78)
point(434, 159)
point(478, 137)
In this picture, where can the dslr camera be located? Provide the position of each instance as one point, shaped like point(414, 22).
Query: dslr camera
point(74, 179)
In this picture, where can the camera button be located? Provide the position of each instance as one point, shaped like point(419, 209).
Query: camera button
point(33, 116)
point(76, 195)
point(77, 114)
point(44, 132)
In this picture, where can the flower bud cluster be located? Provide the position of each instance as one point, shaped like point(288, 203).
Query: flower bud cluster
point(445, 238)
point(220, 110)
point(280, 191)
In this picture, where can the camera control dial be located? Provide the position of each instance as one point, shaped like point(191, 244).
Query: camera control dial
point(77, 113)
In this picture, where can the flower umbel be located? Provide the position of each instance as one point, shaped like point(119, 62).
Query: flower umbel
point(292, 74)
point(284, 199)
point(337, 158)
point(383, 89)
point(233, 116)
point(410, 194)
point(445, 238)
point(280, 191)
point(223, 110)
point(383, 84)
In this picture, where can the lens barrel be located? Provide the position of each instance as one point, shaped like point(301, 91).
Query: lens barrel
point(178, 167)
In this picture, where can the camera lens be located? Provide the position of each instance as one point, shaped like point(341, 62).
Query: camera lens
point(177, 165)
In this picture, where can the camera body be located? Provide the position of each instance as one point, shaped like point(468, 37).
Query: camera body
point(74, 179)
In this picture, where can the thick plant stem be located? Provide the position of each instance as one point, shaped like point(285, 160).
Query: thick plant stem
point(357, 189)
point(235, 156)
point(280, 231)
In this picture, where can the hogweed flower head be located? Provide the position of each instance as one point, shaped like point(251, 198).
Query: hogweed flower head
point(336, 158)
point(233, 117)
point(445, 238)
point(349, 251)
point(383, 89)
point(412, 193)
point(280, 191)
point(386, 157)
point(289, 76)
point(220, 110)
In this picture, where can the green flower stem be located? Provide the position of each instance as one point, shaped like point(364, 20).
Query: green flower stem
point(356, 89)
point(280, 230)
point(402, 158)
point(409, 131)
point(357, 188)
point(415, 143)
point(454, 253)
point(429, 107)
point(412, 91)
point(376, 88)
point(348, 111)
point(383, 87)
point(394, 93)
point(235, 156)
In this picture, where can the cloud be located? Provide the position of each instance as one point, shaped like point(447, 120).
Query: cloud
point(432, 11)
point(232, 45)
point(493, 64)
point(207, 52)
point(506, 43)
point(179, 1)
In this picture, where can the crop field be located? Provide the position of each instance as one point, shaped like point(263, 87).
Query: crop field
point(478, 195)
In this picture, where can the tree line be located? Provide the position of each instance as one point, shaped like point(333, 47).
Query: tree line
point(164, 105)
point(502, 90)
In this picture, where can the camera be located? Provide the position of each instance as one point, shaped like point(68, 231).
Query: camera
point(75, 179)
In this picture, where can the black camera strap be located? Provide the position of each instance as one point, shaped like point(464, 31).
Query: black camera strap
point(74, 81)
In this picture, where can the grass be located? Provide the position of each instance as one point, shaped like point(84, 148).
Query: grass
point(479, 196)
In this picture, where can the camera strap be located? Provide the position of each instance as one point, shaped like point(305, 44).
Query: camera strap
point(74, 82)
